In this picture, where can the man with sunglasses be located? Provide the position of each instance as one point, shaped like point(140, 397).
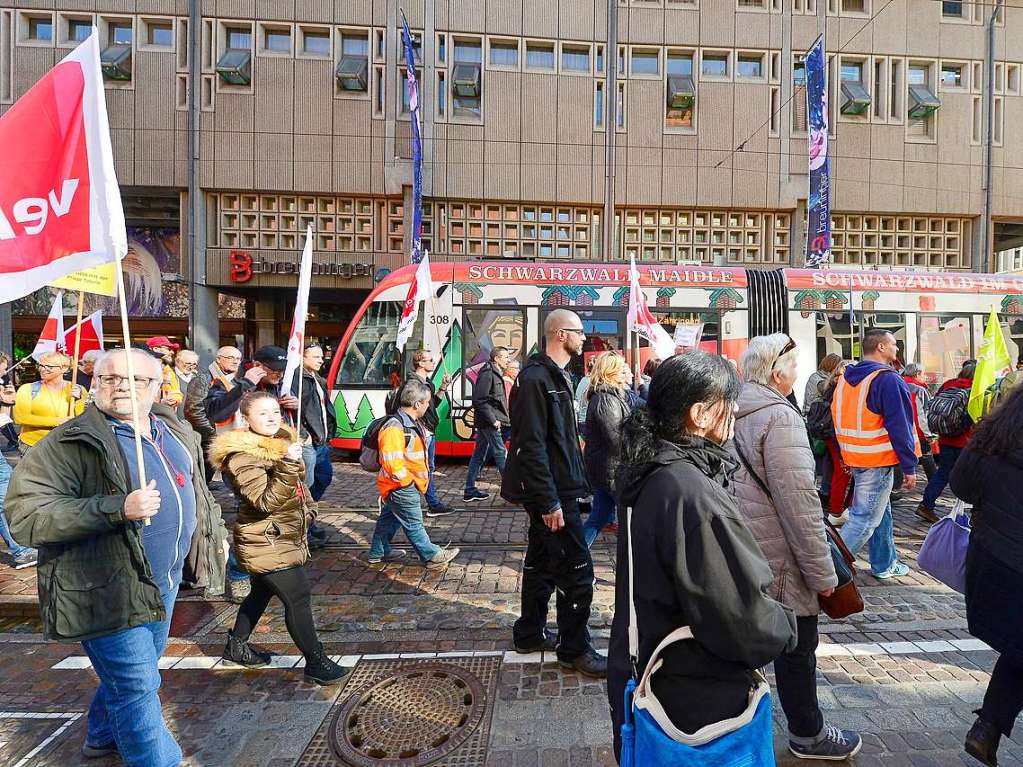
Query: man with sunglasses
point(107, 579)
point(545, 474)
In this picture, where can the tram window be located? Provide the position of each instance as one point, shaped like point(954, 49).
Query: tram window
point(372, 358)
point(945, 345)
point(1012, 330)
point(837, 333)
point(893, 323)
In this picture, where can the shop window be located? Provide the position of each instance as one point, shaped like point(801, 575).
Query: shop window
point(372, 357)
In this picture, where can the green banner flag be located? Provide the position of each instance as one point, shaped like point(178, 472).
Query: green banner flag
point(992, 360)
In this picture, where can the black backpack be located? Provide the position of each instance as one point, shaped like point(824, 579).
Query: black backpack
point(819, 423)
point(947, 414)
point(369, 447)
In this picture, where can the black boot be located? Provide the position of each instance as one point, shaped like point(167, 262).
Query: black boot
point(241, 652)
point(322, 670)
point(982, 742)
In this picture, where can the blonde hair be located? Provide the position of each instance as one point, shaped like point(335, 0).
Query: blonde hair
point(606, 367)
point(55, 358)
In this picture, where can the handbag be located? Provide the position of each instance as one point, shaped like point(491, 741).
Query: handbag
point(846, 599)
point(650, 738)
point(943, 554)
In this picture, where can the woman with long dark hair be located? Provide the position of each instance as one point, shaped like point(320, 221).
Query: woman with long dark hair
point(989, 475)
point(700, 566)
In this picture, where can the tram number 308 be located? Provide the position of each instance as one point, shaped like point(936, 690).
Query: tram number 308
point(440, 319)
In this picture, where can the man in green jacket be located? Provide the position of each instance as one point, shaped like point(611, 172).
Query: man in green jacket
point(106, 577)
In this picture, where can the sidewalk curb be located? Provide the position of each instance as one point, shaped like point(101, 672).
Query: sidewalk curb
point(18, 606)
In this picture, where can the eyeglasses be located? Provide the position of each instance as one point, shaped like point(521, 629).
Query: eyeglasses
point(580, 331)
point(229, 357)
point(188, 365)
point(49, 367)
point(114, 382)
point(788, 347)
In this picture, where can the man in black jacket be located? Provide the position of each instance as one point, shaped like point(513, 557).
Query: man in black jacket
point(545, 474)
point(424, 363)
point(320, 424)
point(490, 410)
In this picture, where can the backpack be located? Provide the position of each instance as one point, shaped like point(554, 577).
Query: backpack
point(947, 415)
point(819, 423)
point(999, 391)
point(369, 447)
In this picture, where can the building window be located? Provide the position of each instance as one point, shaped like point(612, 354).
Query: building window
point(235, 65)
point(922, 102)
point(540, 56)
point(78, 30)
point(646, 62)
point(575, 58)
point(952, 75)
point(355, 45)
point(854, 6)
point(417, 46)
point(119, 33)
point(316, 43)
point(953, 9)
point(680, 64)
point(442, 49)
point(714, 65)
point(504, 53)
point(750, 66)
point(599, 60)
point(160, 34)
point(751, 4)
point(468, 52)
point(239, 38)
point(598, 105)
point(799, 97)
point(855, 96)
point(277, 40)
point(467, 79)
point(40, 29)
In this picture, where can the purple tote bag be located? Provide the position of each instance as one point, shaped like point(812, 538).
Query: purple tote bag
point(943, 553)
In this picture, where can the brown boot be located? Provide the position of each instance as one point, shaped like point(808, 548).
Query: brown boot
point(926, 514)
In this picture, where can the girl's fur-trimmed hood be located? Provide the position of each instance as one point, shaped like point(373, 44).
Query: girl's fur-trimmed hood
point(269, 449)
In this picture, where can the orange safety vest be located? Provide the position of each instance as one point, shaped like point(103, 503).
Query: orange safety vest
point(860, 432)
point(401, 463)
point(234, 421)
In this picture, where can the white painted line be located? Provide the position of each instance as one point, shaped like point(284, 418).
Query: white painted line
point(73, 662)
point(487, 654)
point(168, 661)
point(196, 661)
point(938, 646)
point(829, 650)
point(445, 655)
point(864, 648)
point(69, 719)
point(412, 655)
point(284, 661)
point(384, 656)
point(969, 645)
point(348, 660)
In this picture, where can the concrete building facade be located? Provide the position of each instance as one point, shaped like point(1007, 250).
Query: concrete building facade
point(301, 119)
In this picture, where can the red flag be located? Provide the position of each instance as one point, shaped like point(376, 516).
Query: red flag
point(642, 321)
point(52, 337)
point(91, 329)
point(60, 206)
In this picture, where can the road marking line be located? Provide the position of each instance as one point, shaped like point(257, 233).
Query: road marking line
point(70, 718)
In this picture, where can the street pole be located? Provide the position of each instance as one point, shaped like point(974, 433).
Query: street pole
point(983, 262)
point(610, 126)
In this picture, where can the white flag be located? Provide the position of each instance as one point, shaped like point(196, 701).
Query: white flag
point(296, 343)
point(641, 321)
point(420, 289)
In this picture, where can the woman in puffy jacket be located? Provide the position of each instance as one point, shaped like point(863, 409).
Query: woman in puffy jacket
point(775, 489)
point(606, 411)
point(263, 466)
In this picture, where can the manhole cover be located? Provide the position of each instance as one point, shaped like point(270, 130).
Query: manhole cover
point(412, 717)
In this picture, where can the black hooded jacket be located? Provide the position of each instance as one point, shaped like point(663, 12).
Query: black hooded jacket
point(544, 462)
point(696, 565)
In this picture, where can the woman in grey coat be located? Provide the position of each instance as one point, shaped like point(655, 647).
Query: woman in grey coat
point(782, 510)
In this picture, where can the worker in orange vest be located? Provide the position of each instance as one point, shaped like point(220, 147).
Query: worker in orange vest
point(876, 431)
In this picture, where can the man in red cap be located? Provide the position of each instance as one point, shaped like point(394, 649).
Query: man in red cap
point(164, 348)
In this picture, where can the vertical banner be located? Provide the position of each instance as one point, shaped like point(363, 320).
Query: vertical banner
point(818, 207)
point(417, 143)
point(296, 341)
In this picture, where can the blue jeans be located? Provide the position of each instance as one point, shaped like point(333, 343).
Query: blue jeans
point(323, 472)
point(870, 517)
point(126, 708)
point(401, 509)
point(487, 439)
point(432, 499)
point(935, 485)
point(601, 514)
point(13, 546)
point(234, 570)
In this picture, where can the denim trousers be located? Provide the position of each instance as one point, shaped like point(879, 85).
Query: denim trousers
point(13, 546)
point(602, 513)
point(870, 517)
point(401, 509)
point(488, 440)
point(936, 485)
point(323, 472)
point(432, 499)
point(126, 707)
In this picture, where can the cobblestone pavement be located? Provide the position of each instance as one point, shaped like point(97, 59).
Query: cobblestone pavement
point(905, 672)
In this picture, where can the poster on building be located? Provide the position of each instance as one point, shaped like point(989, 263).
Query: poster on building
point(818, 229)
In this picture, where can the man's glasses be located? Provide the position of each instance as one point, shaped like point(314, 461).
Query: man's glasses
point(229, 358)
point(788, 347)
point(580, 331)
point(114, 382)
point(50, 367)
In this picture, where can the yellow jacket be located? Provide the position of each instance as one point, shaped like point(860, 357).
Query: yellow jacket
point(403, 460)
point(171, 387)
point(38, 408)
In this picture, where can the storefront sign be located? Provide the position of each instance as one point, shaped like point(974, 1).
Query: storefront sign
point(243, 266)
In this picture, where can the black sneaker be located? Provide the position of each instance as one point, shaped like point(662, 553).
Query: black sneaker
point(474, 495)
point(98, 752)
point(318, 532)
point(27, 558)
point(982, 742)
point(440, 510)
point(833, 745)
point(549, 643)
point(590, 663)
point(240, 652)
point(323, 671)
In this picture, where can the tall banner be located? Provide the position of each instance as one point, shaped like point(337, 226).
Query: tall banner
point(420, 290)
point(818, 207)
point(642, 321)
point(60, 206)
point(296, 343)
point(417, 143)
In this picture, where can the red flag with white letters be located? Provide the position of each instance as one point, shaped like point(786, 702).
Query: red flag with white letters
point(60, 206)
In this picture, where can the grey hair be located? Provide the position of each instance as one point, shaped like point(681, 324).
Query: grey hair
point(912, 370)
point(414, 391)
point(761, 357)
point(91, 356)
point(154, 365)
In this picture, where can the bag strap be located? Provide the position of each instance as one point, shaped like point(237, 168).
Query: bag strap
point(749, 469)
point(633, 623)
point(836, 539)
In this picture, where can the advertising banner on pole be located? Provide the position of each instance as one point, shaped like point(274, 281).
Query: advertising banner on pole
point(818, 206)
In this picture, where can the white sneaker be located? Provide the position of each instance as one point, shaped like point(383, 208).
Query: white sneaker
point(840, 520)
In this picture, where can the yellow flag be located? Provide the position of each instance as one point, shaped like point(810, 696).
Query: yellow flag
point(992, 359)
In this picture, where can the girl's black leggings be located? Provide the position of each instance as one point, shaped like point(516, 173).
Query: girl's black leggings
point(291, 586)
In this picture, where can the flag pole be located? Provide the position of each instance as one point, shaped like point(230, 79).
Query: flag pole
point(74, 360)
point(130, 365)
